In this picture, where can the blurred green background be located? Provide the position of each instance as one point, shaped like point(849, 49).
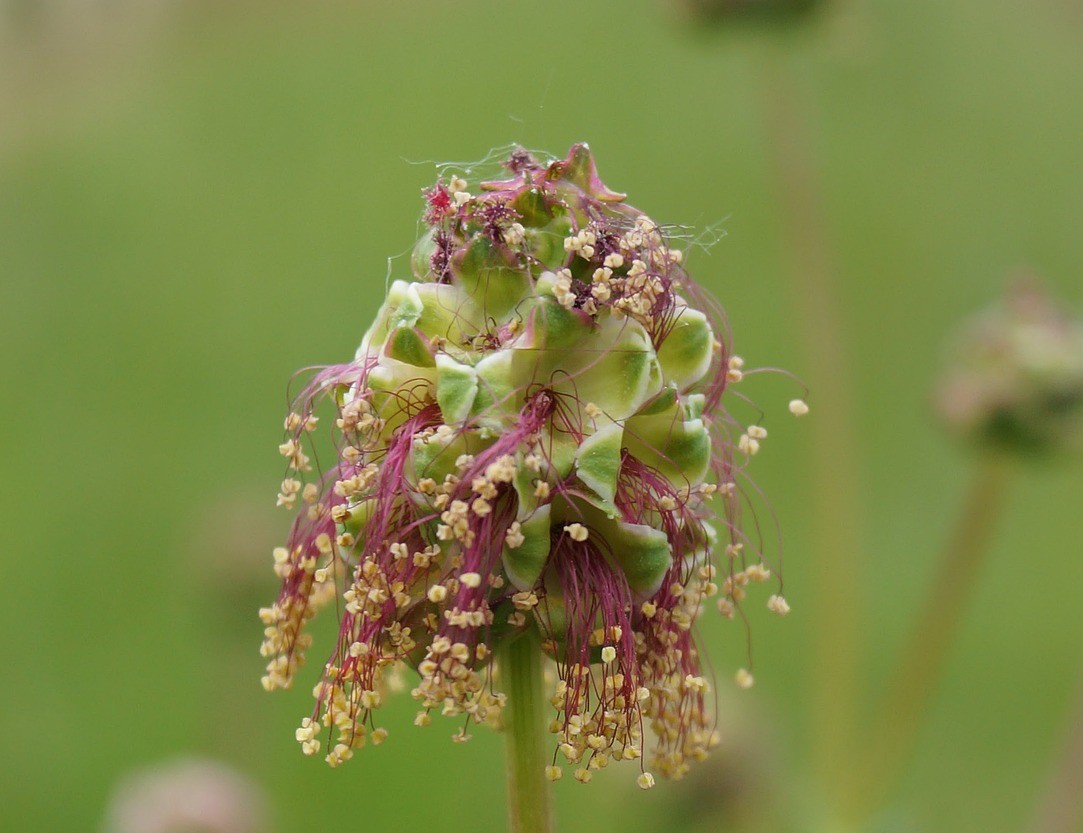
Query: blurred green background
point(198, 198)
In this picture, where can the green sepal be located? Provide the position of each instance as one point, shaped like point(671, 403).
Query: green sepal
point(391, 376)
point(525, 563)
point(456, 388)
point(524, 485)
point(387, 380)
point(546, 245)
point(597, 464)
point(401, 308)
point(447, 312)
point(407, 345)
point(550, 326)
point(617, 369)
point(499, 397)
point(679, 449)
point(421, 256)
point(557, 453)
point(440, 310)
point(664, 401)
point(532, 207)
point(435, 456)
point(694, 405)
point(550, 614)
point(686, 353)
point(610, 363)
point(642, 554)
point(486, 275)
point(547, 242)
point(578, 168)
point(561, 449)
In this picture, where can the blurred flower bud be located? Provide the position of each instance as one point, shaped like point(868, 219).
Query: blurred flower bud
point(1015, 377)
point(725, 11)
point(187, 796)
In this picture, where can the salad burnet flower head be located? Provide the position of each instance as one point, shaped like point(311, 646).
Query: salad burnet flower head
point(531, 435)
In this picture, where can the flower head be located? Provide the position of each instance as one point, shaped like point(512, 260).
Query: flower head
point(531, 435)
point(1015, 381)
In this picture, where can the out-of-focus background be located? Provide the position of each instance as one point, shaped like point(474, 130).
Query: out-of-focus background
point(198, 198)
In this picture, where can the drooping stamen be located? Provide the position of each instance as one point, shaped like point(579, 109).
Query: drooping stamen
point(599, 714)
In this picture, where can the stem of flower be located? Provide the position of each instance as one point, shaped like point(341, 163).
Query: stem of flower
point(835, 584)
point(913, 682)
point(520, 668)
point(1061, 806)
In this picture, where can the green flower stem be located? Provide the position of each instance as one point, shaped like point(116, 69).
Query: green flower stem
point(914, 680)
point(835, 588)
point(520, 668)
point(1061, 807)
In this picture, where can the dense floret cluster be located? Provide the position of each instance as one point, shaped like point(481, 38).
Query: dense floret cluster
point(531, 435)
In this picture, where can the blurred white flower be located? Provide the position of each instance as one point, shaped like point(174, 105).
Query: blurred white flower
point(187, 796)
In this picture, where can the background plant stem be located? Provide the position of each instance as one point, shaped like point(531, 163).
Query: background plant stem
point(913, 682)
point(834, 590)
point(520, 669)
point(1061, 806)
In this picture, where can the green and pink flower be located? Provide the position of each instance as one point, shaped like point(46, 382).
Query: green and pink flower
point(531, 435)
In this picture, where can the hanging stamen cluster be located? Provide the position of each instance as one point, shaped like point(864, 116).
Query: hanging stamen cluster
point(530, 436)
